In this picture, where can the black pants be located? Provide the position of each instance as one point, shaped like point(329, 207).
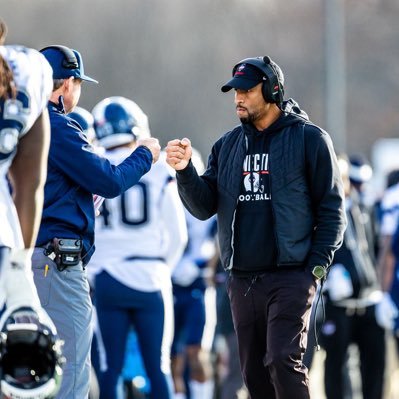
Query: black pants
point(343, 327)
point(271, 315)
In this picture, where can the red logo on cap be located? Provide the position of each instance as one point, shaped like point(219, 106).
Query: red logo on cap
point(240, 70)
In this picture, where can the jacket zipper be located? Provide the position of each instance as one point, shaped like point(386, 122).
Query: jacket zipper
point(271, 205)
point(230, 266)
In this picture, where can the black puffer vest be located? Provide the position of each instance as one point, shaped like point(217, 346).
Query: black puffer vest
point(291, 202)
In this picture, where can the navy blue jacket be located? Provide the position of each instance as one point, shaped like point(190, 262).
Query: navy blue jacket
point(74, 173)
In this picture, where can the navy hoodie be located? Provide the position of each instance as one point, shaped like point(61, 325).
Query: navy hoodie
point(286, 210)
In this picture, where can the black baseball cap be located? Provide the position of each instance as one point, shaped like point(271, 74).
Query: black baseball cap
point(245, 77)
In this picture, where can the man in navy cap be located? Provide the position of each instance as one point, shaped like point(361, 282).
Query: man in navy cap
point(65, 241)
point(274, 183)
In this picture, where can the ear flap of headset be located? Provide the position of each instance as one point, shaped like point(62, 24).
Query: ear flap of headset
point(277, 90)
point(70, 61)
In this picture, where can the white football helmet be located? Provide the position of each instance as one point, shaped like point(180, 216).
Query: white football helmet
point(196, 159)
point(85, 120)
point(118, 121)
point(30, 354)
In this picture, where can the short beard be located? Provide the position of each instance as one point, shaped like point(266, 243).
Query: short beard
point(249, 119)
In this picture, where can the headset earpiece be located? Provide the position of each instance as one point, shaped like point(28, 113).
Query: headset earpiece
point(275, 86)
point(267, 60)
point(70, 61)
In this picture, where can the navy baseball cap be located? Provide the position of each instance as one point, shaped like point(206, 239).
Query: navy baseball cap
point(245, 77)
point(65, 63)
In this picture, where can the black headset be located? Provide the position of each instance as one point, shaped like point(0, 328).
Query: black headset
point(70, 61)
point(272, 88)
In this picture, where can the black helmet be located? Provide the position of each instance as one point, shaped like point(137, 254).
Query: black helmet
point(30, 354)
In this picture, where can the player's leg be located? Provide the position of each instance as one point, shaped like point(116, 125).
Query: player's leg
point(153, 321)
point(178, 358)
point(336, 335)
point(370, 338)
point(199, 337)
point(113, 317)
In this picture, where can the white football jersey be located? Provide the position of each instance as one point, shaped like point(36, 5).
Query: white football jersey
point(33, 78)
point(141, 234)
point(200, 249)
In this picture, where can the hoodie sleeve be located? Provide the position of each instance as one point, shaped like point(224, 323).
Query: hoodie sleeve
point(73, 155)
point(199, 193)
point(327, 196)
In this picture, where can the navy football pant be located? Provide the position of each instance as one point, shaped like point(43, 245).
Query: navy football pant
point(190, 317)
point(119, 307)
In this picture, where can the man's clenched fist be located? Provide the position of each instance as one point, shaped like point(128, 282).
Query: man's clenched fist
point(153, 145)
point(178, 153)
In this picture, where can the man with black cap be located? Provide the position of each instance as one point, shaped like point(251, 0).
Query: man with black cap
point(65, 241)
point(274, 183)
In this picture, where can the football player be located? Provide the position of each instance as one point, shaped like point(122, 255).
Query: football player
point(140, 236)
point(28, 369)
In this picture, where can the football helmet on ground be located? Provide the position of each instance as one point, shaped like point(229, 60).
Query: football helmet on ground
point(30, 354)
